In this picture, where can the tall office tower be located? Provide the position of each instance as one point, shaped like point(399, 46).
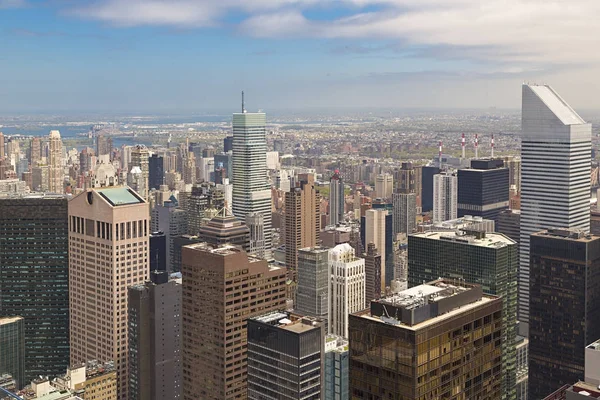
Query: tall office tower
point(158, 251)
point(302, 220)
point(509, 223)
point(522, 367)
point(251, 190)
point(337, 368)
point(222, 288)
point(227, 144)
point(346, 287)
point(224, 160)
point(155, 171)
point(139, 158)
point(405, 179)
point(285, 357)
point(562, 320)
point(312, 297)
point(555, 171)
point(483, 189)
point(445, 196)
point(514, 172)
point(171, 220)
point(196, 202)
point(155, 369)
point(384, 186)
point(35, 151)
point(189, 169)
point(372, 274)
point(490, 259)
point(12, 349)
point(34, 278)
point(375, 232)
point(403, 346)
point(2, 152)
point(336, 199)
point(405, 213)
point(224, 228)
point(104, 145)
point(56, 175)
point(428, 172)
point(256, 223)
point(108, 247)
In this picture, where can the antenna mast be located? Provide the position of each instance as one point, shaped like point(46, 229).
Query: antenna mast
point(243, 104)
point(463, 145)
point(476, 146)
point(492, 145)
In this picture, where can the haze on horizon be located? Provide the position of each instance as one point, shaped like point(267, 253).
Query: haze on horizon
point(157, 56)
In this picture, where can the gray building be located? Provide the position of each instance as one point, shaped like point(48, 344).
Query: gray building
point(405, 213)
point(313, 280)
point(285, 357)
point(337, 368)
point(509, 223)
point(12, 349)
point(171, 220)
point(155, 369)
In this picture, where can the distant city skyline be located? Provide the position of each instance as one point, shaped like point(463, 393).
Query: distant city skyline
point(159, 56)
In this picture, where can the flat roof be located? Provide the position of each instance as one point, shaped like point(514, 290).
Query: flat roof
point(119, 196)
point(491, 239)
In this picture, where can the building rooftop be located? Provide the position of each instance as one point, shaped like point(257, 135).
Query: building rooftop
point(119, 196)
point(9, 320)
point(483, 239)
point(556, 104)
point(566, 233)
point(289, 321)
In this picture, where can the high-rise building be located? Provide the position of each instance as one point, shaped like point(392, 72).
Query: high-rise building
point(405, 213)
point(224, 160)
point(346, 287)
point(224, 228)
point(171, 220)
point(375, 232)
point(12, 349)
point(514, 172)
point(564, 306)
point(483, 189)
point(337, 368)
point(336, 199)
point(189, 169)
point(438, 340)
point(56, 175)
point(155, 172)
point(34, 278)
point(302, 220)
point(35, 151)
point(384, 186)
point(490, 259)
point(139, 158)
point(285, 357)
point(555, 174)
point(109, 232)
point(251, 190)
point(2, 151)
point(258, 245)
point(428, 172)
point(372, 274)
point(158, 251)
point(445, 196)
point(155, 366)
point(227, 144)
point(509, 223)
point(312, 297)
point(222, 288)
point(104, 145)
point(522, 367)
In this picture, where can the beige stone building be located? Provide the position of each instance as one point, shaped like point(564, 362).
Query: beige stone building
point(109, 232)
point(56, 174)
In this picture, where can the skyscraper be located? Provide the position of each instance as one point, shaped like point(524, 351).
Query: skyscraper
point(285, 357)
point(171, 220)
point(428, 172)
point(251, 190)
point(439, 340)
point(346, 287)
point(302, 220)
point(564, 306)
point(155, 365)
point(12, 349)
point(34, 278)
point(404, 213)
point(445, 196)
point(158, 251)
point(155, 171)
point(312, 297)
point(337, 368)
point(384, 186)
point(555, 174)
point(2, 151)
point(227, 144)
point(490, 259)
point(483, 189)
point(224, 228)
point(35, 151)
point(103, 145)
point(336, 199)
point(139, 158)
point(375, 232)
point(372, 274)
point(222, 288)
point(56, 175)
point(108, 247)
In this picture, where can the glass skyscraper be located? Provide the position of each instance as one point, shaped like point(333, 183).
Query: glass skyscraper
point(34, 278)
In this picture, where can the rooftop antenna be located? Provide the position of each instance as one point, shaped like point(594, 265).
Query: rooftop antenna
point(463, 145)
point(440, 154)
point(243, 104)
point(476, 146)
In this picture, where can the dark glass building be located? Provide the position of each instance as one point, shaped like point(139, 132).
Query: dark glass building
point(285, 357)
point(483, 189)
point(564, 304)
point(427, 187)
point(156, 171)
point(509, 223)
point(12, 349)
point(158, 251)
point(34, 278)
point(154, 341)
point(488, 259)
point(227, 144)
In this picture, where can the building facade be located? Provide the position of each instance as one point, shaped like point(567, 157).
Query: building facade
point(12, 349)
point(336, 199)
point(445, 196)
point(405, 213)
point(56, 174)
point(375, 232)
point(313, 282)
point(337, 368)
point(140, 159)
point(372, 274)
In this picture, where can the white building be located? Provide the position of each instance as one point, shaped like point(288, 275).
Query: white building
point(555, 174)
point(384, 186)
point(273, 160)
point(445, 196)
point(56, 173)
point(375, 233)
point(346, 288)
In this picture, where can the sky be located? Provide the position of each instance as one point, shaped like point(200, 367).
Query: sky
point(151, 56)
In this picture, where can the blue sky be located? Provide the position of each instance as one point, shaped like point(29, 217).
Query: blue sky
point(196, 55)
